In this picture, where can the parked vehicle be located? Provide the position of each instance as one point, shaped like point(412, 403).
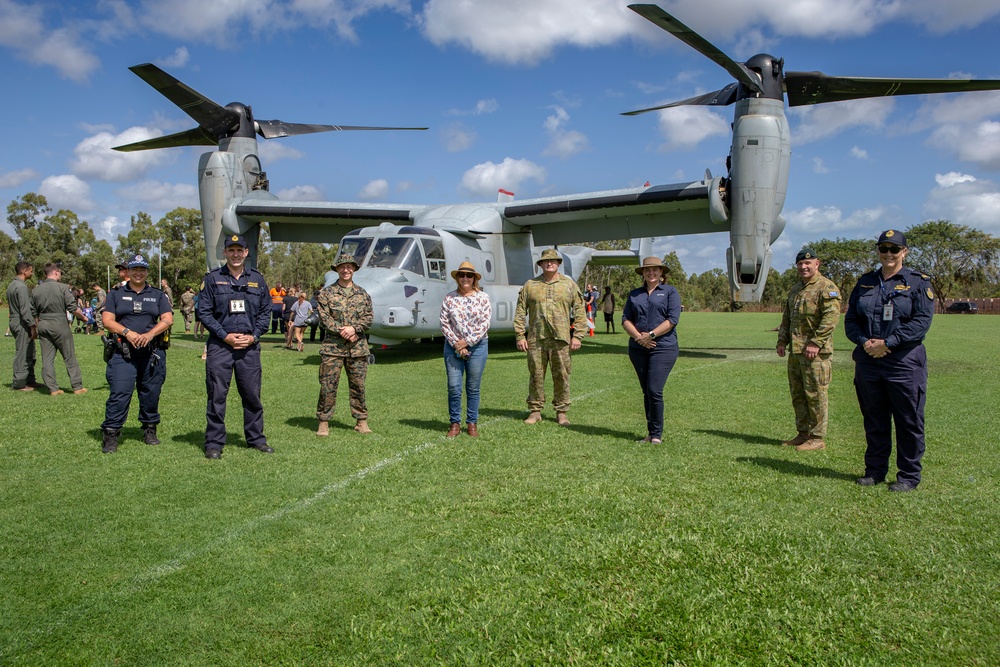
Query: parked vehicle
point(967, 307)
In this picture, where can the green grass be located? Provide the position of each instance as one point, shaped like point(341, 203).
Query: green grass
point(531, 545)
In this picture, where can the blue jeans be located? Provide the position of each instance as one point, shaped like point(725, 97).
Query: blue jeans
point(653, 367)
point(473, 369)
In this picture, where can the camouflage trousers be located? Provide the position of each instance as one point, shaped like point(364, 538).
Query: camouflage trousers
point(541, 354)
point(329, 378)
point(807, 383)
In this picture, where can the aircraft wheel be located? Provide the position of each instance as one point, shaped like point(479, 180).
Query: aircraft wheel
point(371, 358)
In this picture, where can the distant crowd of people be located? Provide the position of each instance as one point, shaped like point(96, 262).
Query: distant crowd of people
point(888, 315)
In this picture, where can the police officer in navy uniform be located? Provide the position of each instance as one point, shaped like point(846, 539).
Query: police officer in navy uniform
point(235, 308)
point(136, 314)
point(888, 315)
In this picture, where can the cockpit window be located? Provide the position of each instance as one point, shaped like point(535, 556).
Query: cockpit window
point(396, 252)
point(357, 248)
point(434, 252)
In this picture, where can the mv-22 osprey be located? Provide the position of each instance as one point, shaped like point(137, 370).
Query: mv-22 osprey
point(407, 252)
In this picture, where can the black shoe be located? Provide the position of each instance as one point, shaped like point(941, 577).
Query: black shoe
point(867, 481)
point(263, 447)
point(213, 453)
point(149, 434)
point(902, 487)
point(110, 443)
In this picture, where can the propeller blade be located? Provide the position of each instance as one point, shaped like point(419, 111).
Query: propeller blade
point(815, 87)
point(194, 137)
point(667, 22)
point(212, 117)
point(719, 98)
point(272, 129)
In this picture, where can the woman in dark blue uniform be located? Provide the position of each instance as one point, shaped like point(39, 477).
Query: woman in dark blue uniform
point(888, 315)
point(137, 314)
point(650, 319)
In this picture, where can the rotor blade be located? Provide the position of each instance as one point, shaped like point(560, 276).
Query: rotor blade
point(719, 98)
point(211, 116)
point(667, 22)
point(197, 136)
point(272, 129)
point(816, 87)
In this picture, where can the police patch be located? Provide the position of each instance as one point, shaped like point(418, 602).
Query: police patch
point(930, 294)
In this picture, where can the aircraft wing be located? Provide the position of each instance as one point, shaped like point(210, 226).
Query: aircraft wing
point(659, 210)
point(320, 222)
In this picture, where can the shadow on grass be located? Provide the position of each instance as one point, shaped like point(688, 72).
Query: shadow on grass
point(749, 439)
point(196, 439)
point(794, 468)
point(696, 354)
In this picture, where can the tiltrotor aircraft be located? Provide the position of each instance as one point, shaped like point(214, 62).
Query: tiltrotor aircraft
point(407, 252)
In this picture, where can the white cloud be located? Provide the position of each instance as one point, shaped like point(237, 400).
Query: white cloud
point(13, 179)
point(483, 107)
point(108, 226)
point(377, 189)
point(179, 58)
point(825, 120)
point(23, 30)
point(563, 143)
point(859, 153)
point(524, 31)
point(96, 159)
point(979, 143)
point(301, 193)
point(457, 137)
point(156, 196)
point(965, 200)
point(819, 167)
point(830, 222)
point(272, 151)
point(67, 192)
point(486, 178)
point(685, 127)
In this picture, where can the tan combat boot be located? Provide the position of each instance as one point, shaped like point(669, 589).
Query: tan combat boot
point(362, 426)
point(800, 439)
point(561, 419)
point(323, 430)
point(811, 445)
point(533, 418)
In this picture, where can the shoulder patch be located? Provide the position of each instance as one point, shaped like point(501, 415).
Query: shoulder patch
point(834, 294)
point(930, 294)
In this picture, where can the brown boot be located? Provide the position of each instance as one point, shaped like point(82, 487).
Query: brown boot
point(800, 439)
point(533, 418)
point(454, 430)
point(472, 429)
point(812, 445)
point(324, 429)
point(362, 426)
point(561, 419)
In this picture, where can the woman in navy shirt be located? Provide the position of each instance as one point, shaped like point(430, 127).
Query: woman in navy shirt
point(650, 319)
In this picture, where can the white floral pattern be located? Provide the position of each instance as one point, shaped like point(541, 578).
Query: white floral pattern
point(466, 317)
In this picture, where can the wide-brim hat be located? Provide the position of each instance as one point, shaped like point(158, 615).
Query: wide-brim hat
point(345, 259)
point(551, 253)
point(466, 267)
point(652, 263)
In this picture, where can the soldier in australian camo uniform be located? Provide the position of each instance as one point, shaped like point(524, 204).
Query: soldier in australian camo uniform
point(807, 324)
point(345, 310)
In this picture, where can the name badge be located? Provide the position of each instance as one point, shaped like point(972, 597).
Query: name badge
point(238, 306)
point(887, 312)
point(137, 306)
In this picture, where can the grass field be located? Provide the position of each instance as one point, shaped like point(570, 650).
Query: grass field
point(531, 545)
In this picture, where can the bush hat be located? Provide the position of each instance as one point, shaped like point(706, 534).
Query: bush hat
point(652, 263)
point(345, 259)
point(551, 253)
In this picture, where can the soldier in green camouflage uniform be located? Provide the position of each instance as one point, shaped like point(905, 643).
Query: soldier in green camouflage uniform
point(807, 324)
point(345, 310)
point(549, 303)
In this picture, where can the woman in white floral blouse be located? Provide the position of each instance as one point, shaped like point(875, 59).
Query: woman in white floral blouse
point(465, 321)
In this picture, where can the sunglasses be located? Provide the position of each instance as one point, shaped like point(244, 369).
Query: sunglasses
point(465, 275)
point(892, 249)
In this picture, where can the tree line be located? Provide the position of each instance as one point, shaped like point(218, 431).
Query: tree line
point(961, 261)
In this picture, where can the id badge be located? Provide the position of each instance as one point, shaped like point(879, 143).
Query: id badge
point(136, 306)
point(238, 306)
point(887, 312)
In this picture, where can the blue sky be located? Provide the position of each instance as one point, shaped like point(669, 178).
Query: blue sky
point(520, 94)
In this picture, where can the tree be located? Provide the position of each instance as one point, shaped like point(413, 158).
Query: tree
point(844, 260)
point(27, 212)
point(956, 257)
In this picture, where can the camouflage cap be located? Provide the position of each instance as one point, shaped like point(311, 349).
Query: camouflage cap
point(345, 259)
point(551, 253)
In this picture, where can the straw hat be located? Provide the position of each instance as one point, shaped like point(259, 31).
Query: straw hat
point(652, 262)
point(466, 266)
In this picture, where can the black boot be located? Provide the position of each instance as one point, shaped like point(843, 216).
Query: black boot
point(149, 434)
point(111, 440)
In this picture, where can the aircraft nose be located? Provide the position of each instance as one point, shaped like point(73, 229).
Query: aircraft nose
point(391, 294)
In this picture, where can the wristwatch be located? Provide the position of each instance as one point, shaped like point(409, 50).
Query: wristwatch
point(125, 331)
point(652, 334)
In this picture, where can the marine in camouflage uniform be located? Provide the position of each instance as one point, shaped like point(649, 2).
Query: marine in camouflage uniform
point(546, 307)
point(807, 323)
point(344, 307)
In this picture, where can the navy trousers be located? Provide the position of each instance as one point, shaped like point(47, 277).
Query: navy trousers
point(221, 364)
point(652, 367)
point(145, 374)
